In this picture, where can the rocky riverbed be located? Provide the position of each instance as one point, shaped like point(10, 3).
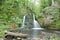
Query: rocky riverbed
point(40, 35)
point(43, 34)
point(1, 38)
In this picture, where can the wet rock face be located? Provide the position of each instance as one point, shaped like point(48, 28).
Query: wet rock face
point(28, 23)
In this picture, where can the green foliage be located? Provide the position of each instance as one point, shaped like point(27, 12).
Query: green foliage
point(14, 10)
point(53, 11)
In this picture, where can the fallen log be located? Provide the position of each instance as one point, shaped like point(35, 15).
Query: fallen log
point(20, 35)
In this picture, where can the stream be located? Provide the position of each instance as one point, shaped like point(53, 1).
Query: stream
point(42, 34)
point(31, 27)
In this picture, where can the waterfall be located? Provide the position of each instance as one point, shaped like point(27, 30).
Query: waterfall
point(23, 23)
point(53, 2)
point(29, 22)
point(36, 31)
point(36, 24)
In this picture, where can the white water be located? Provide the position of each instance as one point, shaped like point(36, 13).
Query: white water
point(36, 24)
point(36, 29)
point(53, 2)
point(23, 23)
point(35, 33)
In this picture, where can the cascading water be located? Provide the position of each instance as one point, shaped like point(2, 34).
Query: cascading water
point(23, 21)
point(36, 24)
point(53, 2)
point(35, 30)
point(31, 27)
point(27, 22)
point(30, 23)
